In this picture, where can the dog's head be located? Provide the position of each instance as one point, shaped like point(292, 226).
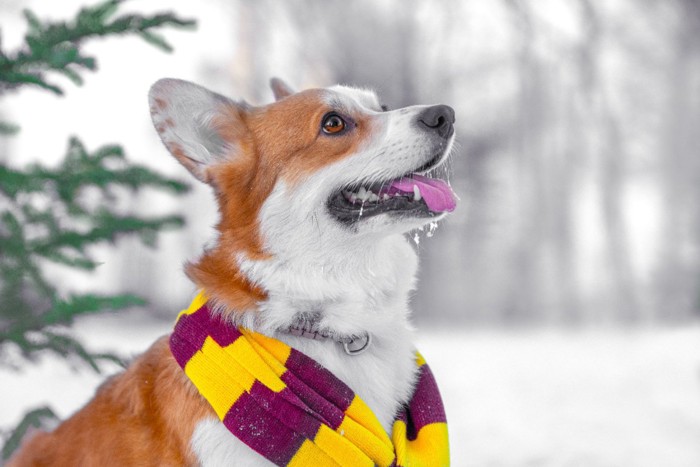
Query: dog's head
point(321, 165)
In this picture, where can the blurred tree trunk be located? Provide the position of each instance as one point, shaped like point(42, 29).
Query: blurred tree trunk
point(613, 171)
point(542, 284)
point(250, 72)
point(521, 294)
point(677, 274)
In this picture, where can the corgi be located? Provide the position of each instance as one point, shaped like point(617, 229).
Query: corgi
point(316, 192)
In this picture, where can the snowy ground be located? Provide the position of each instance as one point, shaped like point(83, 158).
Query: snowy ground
point(604, 398)
point(529, 398)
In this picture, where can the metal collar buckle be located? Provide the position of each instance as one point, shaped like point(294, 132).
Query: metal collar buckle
point(358, 345)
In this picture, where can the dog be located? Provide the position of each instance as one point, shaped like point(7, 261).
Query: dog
point(316, 192)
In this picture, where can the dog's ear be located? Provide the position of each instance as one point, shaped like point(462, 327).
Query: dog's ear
point(280, 89)
point(189, 118)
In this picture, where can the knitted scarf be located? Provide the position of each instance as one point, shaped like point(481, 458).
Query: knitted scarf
point(294, 412)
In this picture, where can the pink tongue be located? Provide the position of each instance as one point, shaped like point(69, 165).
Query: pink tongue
point(437, 194)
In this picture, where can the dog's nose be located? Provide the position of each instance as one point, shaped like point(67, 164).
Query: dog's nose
point(438, 118)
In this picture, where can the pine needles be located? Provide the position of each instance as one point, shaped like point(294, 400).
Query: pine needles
point(55, 47)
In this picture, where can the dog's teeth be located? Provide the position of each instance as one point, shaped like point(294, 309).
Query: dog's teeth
point(363, 194)
point(416, 193)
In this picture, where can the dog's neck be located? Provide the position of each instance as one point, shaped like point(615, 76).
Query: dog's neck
point(350, 289)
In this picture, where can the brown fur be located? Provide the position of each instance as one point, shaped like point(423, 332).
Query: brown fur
point(144, 416)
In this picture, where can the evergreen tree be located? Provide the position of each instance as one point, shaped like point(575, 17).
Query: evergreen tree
point(46, 215)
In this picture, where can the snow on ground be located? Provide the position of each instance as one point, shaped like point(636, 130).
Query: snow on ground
point(530, 398)
point(595, 398)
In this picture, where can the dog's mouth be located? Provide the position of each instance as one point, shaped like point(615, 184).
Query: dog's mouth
point(412, 195)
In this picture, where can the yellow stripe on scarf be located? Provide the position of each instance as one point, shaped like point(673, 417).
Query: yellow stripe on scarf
point(429, 449)
point(222, 379)
point(196, 304)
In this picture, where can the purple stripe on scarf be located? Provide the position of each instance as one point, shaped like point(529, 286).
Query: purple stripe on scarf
point(220, 330)
point(285, 407)
point(311, 374)
point(256, 419)
point(188, 336)
point(191, 331)
point(425, 407)
point(316, 404)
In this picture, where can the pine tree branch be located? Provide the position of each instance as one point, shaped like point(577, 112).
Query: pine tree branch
point(81, 168)
point(35, 419)
point(32, 335)
point(64, 311)
point(60, 231)
point(8, 129)
point(55, 46)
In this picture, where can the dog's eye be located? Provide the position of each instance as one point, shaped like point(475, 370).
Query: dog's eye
point(333, 123)
point(385, 108)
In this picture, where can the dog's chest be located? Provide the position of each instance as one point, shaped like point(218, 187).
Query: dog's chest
point(383, 379)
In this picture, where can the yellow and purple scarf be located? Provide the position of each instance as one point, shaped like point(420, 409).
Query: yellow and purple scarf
point(294, 412)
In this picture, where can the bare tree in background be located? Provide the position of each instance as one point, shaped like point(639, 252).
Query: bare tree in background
point(612, 155)
point(678, 271)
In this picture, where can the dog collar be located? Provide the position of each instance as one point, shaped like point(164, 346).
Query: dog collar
point(353, 344)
